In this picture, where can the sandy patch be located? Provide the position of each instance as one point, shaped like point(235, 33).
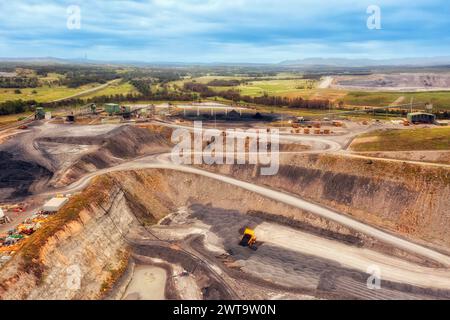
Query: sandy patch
point(147, 283)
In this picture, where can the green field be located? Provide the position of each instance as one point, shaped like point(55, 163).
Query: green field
point(43, 94)
point(206, 79)
point(48, 94)
point(114, 88)
point(288, 88)
point(284, 84)
point(404, 140)
point(307, 89)
point(51, 77)
point(439, 99)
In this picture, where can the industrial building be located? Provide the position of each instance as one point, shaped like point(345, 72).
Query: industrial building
point(54, 204)
point(112, 108)
point(39, 114)
point(421, 117)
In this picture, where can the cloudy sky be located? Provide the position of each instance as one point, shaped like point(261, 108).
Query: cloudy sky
point(223, 30)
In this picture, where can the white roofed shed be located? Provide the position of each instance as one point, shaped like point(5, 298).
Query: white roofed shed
point(54, 204)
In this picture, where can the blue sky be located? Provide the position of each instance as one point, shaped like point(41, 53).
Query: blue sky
point(224, 30)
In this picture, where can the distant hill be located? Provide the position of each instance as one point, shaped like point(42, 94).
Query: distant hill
point(37, 60)
point(343, 62)
point(300, 63)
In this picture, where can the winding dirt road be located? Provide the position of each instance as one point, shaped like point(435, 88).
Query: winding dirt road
point(163, 162)
point(393, 269)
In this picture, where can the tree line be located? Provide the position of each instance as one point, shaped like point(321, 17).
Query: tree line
point(234, 95)
point(18, 82)
point(224, 83)
point(191, 91)
point(17, 106)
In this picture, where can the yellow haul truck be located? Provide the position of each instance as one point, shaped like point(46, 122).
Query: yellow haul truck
point(249, 239)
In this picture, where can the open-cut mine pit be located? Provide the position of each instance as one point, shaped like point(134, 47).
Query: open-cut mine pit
point(188, 227)
point(221, 169)
point(140, 227)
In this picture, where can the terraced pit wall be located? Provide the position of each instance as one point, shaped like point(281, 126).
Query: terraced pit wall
point(85, 238)
point(410, 200)
point(93, 231)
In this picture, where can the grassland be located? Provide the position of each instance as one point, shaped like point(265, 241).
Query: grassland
point(206, 79)
point(7, 119)
point(404, 140)
point(51, 93)
point(114, 88)
point(284, 84)
point(43, 94)
point(287, 85)
point(51, 77)
point(290, 88)
point(439, 99)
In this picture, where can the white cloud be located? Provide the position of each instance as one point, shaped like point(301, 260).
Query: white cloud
point(212, 30)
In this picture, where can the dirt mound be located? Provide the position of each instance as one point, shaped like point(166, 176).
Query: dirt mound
point(114, 147)
point(122, 142)
point(57, 156)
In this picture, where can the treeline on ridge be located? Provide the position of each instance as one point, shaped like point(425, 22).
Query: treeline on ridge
point(206, 92)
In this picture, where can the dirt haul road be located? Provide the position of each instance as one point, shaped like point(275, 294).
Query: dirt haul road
point(162, 162)
point(392, 269)
point(89, 91)
point(318, 144)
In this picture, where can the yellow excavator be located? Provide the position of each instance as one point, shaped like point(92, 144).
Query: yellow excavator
point(249, 239)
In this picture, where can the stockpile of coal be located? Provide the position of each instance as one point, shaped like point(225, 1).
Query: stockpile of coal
point(17, 176)
point(112, 148)
point(123, 142)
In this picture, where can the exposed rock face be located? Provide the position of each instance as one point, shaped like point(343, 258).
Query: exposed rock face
point(93, 237)
point(91, 246)
point(409, 199)
point(93, 231)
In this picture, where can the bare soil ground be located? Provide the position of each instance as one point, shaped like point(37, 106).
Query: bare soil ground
point(58, 154)
point(401, 81)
